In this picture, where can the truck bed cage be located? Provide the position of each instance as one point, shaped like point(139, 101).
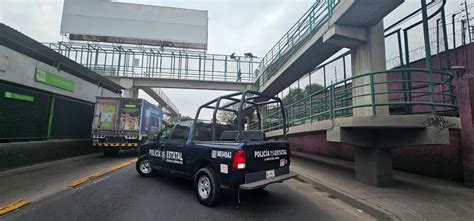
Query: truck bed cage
point(245, 100)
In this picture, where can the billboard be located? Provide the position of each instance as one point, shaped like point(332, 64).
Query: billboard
point(119, 22)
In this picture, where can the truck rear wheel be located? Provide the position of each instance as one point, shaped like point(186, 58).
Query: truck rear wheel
point(207, 187)
point(111, 152)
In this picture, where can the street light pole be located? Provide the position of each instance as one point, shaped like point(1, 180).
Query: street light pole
point(437, 43)
point(467, 19)
point(454, 38)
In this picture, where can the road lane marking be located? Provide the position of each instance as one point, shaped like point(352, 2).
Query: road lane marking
point(13, 206)
point(99, 174)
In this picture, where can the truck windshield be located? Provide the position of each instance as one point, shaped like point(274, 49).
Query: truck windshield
point(239, 117)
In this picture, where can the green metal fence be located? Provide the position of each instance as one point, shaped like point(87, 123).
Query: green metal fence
point(30, 114)
point(294, 39)
point(432, 94)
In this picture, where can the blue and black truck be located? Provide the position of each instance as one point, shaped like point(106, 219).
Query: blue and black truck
point(123, 123)
point(229, 151)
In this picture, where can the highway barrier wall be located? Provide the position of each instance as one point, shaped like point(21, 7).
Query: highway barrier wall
point(19, 154)
point(31, 114)
point(441, 161)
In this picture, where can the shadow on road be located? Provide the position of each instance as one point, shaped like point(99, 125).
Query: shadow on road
point(271, 195)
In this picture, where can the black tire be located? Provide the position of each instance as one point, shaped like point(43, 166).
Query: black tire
point(214, 190)
point(111, 152)
point(141, 166)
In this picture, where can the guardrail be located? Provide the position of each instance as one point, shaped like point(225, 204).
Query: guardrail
point(428, 92)
point(154, 62)
point(166, 99)
point(299, 34)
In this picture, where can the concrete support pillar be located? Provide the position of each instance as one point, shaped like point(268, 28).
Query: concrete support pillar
point(130, 93)
point(370, 57)
point(465, 102)
point(373, 166)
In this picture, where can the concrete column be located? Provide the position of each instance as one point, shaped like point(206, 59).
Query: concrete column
point(366, 58)
point(130, 93)
point(465, 102)
point(373, 166)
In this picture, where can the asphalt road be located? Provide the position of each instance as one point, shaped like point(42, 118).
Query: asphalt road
point(124, 195)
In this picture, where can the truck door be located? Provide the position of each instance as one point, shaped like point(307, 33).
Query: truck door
point(176, 149)
point(158, 151)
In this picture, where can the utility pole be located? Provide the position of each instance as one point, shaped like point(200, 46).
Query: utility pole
point(454, 39)
point(463, 27)
point(467, 19)
point(437, 43)
point(454, 30)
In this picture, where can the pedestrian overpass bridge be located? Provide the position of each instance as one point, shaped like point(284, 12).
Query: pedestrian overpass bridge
point(149, 68)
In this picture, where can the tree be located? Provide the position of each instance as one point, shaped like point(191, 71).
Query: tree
point(297, 94)
point(294, 95)
point(312, 88)
point(226, 117)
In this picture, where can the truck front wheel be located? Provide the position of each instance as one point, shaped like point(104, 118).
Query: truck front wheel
point(144, 167)
point(207, 187)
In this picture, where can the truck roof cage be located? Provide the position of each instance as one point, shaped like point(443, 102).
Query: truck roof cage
point(245, 100)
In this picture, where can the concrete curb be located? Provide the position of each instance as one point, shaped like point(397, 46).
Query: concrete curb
point(373, 210)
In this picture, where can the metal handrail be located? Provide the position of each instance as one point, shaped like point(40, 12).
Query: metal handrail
point(167, 100)
point(336, 100)
point(155, 62)
point(298, 34)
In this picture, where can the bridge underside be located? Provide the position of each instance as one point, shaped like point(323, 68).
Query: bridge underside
point(180, 84)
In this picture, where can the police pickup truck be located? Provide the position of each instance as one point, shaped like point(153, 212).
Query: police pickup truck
point(229, 151)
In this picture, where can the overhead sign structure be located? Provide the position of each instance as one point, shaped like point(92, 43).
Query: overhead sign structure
point(127, 23)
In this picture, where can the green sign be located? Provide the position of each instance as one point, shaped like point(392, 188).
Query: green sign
point(20, 97)
point(54, 80)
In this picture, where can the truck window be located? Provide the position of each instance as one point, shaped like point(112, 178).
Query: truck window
point(203, 132)
point(165, 133)
point(180, 133)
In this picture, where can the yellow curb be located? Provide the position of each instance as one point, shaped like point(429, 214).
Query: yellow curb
point(99, 174)
point(13, 206)
point(85, 179)
point(120, 166)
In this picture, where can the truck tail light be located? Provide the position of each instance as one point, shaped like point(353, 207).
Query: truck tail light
point(240, 160)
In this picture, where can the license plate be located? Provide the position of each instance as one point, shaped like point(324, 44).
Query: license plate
point(270, 174)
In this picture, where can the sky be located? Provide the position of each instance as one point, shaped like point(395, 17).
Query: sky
point(238, 26)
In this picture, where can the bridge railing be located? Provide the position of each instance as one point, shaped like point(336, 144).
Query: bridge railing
point(154, 62)
point(299, 33)
point(166, 99)
point(428, 92)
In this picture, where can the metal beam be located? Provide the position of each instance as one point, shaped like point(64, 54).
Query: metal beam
point(186, 84)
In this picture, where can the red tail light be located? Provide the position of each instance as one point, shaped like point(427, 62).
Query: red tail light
point(240, 160)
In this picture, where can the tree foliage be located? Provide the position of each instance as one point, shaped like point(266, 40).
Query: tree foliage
point(312, 88)
point(296, 94)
